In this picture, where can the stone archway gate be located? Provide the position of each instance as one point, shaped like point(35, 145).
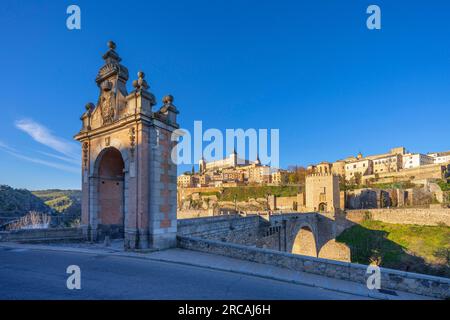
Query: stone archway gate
point(127, 122)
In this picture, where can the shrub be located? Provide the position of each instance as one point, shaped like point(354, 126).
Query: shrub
point(367, 216)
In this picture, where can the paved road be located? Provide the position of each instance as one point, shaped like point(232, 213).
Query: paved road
point(35, 274)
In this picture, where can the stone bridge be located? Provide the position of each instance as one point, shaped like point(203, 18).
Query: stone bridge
point(311, 234)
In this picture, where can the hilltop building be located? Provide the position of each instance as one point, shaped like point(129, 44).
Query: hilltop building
point(440, 157)
point(414, 160)
point(396, 163)
point(232, 161)
point(231, 171)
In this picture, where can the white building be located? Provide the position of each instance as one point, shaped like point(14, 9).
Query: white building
point(414, 160)
point(387, 163)
point(362, 167)
point(231, 161)
point(440, 157)
point(185, 181)
point(260, 174)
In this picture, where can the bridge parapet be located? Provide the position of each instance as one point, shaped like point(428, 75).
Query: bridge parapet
point(437, 287)
point(302, 233)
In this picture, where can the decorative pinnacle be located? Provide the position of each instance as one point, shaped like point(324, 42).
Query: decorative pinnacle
point(111, 45)
point(140, 83)
point(167, 99)
point(89, 106)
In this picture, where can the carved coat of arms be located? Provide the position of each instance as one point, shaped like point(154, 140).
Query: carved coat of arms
point(107, 108)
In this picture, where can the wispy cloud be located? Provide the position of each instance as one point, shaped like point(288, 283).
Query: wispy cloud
point(4, 147)
point(66, 150)
point(44, 136)
point(63, 158)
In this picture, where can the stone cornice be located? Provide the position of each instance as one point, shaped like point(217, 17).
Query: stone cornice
point(120, 124)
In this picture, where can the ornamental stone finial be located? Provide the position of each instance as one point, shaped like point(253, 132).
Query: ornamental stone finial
point(168, 105)
point(89, 106)
point(140, 83)
point(167, 99)
point(111, 45)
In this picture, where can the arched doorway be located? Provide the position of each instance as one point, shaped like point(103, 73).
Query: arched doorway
point(110, 180)
point(305, 243)
point(322, 207)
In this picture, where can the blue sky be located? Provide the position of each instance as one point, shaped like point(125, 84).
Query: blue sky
point(310, 68)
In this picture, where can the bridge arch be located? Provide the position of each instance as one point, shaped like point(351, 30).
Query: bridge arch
point(305, 242)
point(335, 251)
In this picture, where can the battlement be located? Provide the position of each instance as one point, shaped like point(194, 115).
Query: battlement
point(322, 175)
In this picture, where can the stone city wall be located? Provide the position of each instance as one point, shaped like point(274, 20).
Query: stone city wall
point(193, 213)
point(285, 203)
point(185, 192)
point(390, 279)
point(432, 171)
point(419, 216)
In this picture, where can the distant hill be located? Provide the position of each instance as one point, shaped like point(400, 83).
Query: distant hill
point(61, 201)
point(18, 202)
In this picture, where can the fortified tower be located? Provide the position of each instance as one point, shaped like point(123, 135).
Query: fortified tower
point(322, 192)
point(128, 175)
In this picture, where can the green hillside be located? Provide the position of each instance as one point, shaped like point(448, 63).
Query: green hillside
point(18, 202)
point(62, 201)
point(422, 249)
point(247, 192)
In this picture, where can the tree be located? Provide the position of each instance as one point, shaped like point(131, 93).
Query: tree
point(296, 175)
point(443, 254)
point(342, 182)
point(358, 178)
